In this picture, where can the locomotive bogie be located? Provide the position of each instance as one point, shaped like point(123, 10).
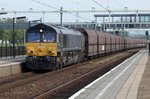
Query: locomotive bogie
point(41, 63)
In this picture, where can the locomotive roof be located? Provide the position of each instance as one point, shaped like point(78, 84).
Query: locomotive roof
point(57, 29)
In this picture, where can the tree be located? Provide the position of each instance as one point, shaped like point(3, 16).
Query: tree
point(6, 34)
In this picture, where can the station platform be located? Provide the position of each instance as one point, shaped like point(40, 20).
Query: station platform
point(8, 60)
point(12, 65)
point(128, 80)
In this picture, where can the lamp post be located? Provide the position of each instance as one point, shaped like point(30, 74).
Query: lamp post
point(13, 36)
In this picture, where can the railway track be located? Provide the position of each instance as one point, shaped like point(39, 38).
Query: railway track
point(14, 78)
point(9, 83)
point(59, 83)
point(66, 90)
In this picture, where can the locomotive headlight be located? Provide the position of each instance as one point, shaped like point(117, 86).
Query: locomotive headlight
point(41, 30)
point(51, 52)
point(30, 52)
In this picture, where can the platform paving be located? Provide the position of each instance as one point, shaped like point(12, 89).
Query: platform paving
point(122, 82)
point(131, 86)
point(144, 88)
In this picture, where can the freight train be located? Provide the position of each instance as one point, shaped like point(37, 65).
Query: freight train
point(52, 47)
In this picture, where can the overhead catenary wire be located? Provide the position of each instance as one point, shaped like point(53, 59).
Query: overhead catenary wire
point(83, 5)
point(59, 9)
point(80, 16)
point(119, 3)
point(45, 4)
point(101, 6)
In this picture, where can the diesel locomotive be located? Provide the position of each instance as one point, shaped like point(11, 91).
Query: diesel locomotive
point(52, 47)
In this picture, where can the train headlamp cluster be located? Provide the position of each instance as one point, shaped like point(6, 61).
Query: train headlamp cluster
point(41, 49)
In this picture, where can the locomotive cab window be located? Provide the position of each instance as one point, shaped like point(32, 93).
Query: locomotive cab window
point(49, 37)
point(44, 36)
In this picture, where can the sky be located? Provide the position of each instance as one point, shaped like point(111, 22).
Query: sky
point(53, 5)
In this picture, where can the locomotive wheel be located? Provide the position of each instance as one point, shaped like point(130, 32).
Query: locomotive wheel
point(60, 65)
point(56, 67)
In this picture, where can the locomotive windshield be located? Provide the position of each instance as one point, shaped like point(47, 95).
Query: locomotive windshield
point(33, 37)
point(41, 37)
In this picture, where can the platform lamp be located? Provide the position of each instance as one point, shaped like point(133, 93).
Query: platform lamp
point(13, 36)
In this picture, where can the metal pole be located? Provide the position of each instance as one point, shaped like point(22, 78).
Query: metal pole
point(29, 24)
point(61, 13)
point(147, 35)
point(109, 18)
point(149, 49)
point(148, 44)
point(24, 37)
point(96, 25)
point(77, 15)
point(13, 37)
